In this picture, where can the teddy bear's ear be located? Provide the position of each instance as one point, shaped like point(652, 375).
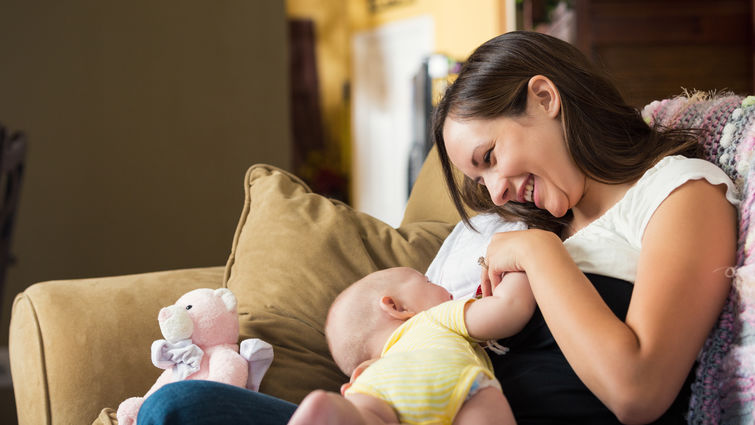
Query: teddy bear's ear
point(228, 298)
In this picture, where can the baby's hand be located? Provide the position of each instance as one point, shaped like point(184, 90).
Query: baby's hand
point(354, 375)
point(511, 277)
point(510, 281)
point(508, 277)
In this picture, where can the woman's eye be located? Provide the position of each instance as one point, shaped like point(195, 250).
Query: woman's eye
point(486, 157)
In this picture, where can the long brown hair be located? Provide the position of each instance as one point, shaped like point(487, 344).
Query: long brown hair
point(608, 139)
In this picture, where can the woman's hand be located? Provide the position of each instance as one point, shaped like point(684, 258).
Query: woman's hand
point(514, 252)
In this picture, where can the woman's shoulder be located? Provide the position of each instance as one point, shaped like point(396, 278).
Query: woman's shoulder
point(671, 172)
point(634, 211)
point(676, 163)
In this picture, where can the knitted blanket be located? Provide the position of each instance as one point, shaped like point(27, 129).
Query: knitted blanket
point(724, 388)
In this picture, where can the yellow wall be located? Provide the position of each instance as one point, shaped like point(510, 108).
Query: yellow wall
point(460, 26)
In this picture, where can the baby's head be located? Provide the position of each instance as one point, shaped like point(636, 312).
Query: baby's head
point(362, 314)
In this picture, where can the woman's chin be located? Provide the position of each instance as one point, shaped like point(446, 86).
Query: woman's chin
point(557, 212)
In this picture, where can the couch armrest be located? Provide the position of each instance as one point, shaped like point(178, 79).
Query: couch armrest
point(77, 346)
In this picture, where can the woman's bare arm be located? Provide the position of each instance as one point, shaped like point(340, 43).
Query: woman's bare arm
point(635, 367)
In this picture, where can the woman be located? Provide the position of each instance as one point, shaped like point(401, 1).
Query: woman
point(543, 137)
point(618, 221)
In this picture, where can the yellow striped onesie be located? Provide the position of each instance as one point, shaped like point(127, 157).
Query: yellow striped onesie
point(427, 367)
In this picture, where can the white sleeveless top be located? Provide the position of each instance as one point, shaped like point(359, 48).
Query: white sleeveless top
point(610, 245)
point(455, 266)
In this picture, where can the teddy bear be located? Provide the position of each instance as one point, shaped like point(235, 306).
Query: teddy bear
point(201, 332)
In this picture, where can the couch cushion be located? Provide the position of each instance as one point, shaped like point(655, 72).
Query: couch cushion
point(430, 200)
point(293, 252)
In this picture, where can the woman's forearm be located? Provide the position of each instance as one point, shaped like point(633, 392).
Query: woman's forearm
point(637, 366)
point(603, 351)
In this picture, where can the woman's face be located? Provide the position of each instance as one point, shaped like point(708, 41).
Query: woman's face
point(522, 159)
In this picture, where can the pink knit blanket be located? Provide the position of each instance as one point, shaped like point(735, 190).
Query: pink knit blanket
point(724, 388)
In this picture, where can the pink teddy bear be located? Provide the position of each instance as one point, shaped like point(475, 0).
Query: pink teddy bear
point(201, 332)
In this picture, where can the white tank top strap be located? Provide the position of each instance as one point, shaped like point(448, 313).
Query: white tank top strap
point(611, 245)
point(666, 176)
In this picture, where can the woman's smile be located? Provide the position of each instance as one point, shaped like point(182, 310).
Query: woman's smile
point(528, 189)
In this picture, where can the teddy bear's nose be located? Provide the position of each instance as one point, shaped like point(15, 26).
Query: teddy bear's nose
point(164, 314)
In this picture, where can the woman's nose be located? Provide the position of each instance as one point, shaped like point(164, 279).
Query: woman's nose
point(498, 191)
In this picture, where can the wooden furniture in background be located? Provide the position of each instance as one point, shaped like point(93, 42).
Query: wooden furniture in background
point(655, 48)
point(312, 151)
point(306, 117)
point(12, 156)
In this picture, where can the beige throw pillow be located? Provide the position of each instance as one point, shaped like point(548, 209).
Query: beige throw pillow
point(293, 252)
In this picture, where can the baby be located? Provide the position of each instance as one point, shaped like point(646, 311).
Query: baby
point(425, 361)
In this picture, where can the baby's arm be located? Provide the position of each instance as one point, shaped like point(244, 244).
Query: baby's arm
point(505, 312)
point(326, 408)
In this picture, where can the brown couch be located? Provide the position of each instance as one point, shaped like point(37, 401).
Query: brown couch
point(80, 347)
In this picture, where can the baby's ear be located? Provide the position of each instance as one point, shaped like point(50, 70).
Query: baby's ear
point(394, 308)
